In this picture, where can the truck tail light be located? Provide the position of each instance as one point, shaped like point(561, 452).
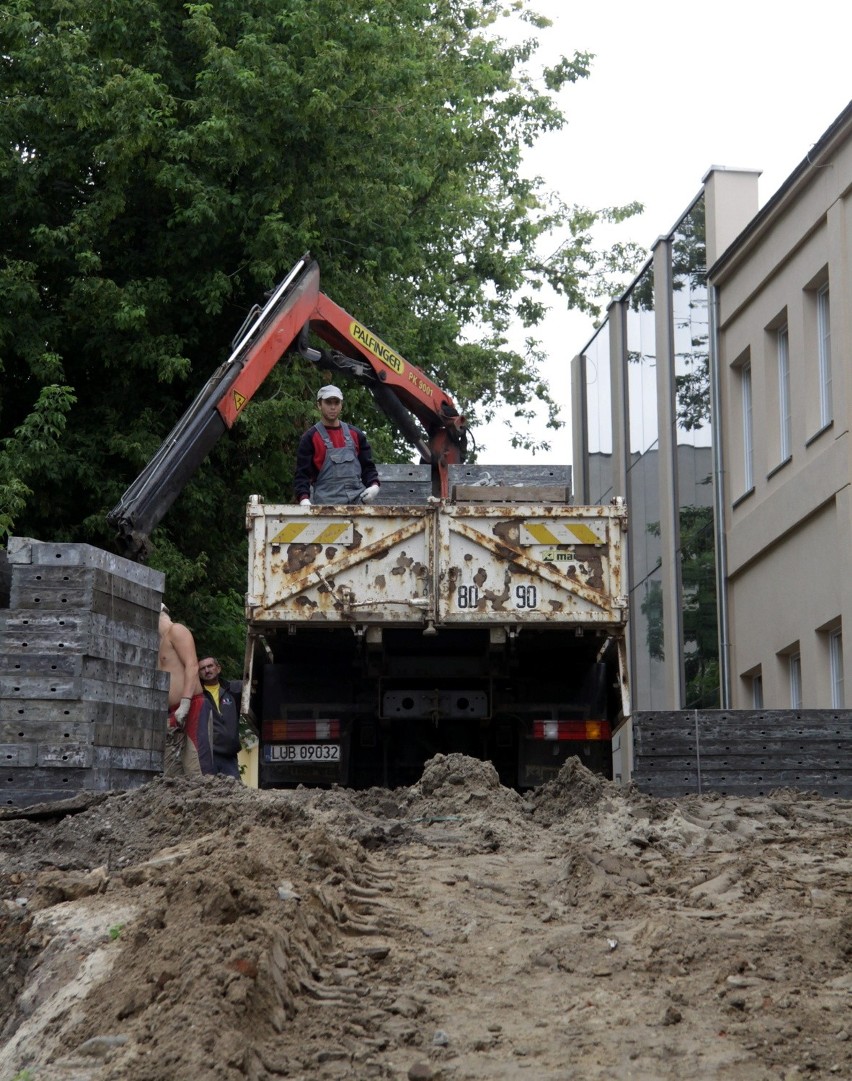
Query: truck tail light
point(283, 731)
point(573, 730)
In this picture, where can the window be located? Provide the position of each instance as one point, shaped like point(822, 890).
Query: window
point(757, 692)
point(835, 667)
point(785, 420)
point(748, 449)
point(824, 353)
point(795, 669)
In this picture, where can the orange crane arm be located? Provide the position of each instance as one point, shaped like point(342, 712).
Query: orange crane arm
point(294, 309)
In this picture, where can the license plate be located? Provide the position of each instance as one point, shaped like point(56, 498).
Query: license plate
point(301, 752)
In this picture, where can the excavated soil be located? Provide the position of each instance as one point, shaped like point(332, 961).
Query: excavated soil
point(202, 931)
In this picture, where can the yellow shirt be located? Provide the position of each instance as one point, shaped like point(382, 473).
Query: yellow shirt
point(213, 690)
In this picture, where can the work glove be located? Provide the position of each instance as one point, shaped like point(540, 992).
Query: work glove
point(304, 502)
point(369, 494)
point(182, 711)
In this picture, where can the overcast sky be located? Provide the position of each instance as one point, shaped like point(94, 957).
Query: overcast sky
point(674, 89)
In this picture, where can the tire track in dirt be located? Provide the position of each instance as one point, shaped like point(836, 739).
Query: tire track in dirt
point(451, 930)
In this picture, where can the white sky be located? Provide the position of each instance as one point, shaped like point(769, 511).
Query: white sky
point(674, 89)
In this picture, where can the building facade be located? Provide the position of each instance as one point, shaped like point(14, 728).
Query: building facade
point(714, 400)
point(642, 430)
point(782, 293)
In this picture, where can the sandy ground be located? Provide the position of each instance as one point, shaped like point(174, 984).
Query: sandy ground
point(456, 930)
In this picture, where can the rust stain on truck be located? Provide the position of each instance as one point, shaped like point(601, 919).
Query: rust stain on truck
point(447, 564)
point(300, 555)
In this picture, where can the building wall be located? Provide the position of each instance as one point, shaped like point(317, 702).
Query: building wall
point(669, 426)
point(787, 520)
point(642, 431)
point(777, 610)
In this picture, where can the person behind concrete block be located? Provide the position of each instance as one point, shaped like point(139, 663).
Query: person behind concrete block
point(188, 750)
point(334, 460)
point(223, 705)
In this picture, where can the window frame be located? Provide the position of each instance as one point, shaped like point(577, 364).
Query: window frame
point(785, 413)
point(748, 429)
point(823, 298)
point(794, 669)
point(757, 691)
point(835, 668)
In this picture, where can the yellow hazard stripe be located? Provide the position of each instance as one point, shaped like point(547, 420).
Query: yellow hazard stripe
point(583, 534)
point(289, 533)
point(541, 533)
point(332, 532)
point(295, 531)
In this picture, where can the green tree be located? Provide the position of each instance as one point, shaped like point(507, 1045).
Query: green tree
point(689, 280)
point(163, 163)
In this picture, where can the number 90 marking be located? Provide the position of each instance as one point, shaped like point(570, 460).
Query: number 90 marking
point(526, 596)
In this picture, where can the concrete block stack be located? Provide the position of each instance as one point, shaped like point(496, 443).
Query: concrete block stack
point(743, 752)
point(82, 702)
point(404, 485)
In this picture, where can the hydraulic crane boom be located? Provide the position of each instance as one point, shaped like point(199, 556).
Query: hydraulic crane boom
point(295, 308)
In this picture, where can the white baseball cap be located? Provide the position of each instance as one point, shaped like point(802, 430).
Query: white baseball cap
point(329, 392)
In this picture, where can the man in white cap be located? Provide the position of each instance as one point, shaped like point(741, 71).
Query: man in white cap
point(334, 461)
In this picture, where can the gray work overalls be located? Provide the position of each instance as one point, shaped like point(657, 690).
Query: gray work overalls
point(339, 479)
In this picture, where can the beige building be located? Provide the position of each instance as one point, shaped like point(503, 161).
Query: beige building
point(781, 342)
point(715, 398)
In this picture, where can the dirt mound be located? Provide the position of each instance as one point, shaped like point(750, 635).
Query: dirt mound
point(122, 828)
point(574, 787)
point(452, 930)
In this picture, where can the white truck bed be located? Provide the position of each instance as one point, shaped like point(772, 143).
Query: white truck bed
point(442, 563)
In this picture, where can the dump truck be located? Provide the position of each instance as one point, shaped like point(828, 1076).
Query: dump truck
point(468, 609)
point(491, 623)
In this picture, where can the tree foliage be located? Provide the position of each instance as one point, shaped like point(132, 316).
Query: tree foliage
point(689, 284)
point(700, 626)
point(163, 163)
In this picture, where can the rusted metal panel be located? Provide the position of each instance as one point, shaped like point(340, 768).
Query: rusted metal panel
point(358, 565)
point(531, 565)
point(443, 563)
point(127, 758)
point(26, 787)
point(152, 738)
point(51, 589)
point(82, 701)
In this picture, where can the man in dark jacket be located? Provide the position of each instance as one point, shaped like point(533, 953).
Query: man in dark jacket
point(223, 702)
point(334, 460)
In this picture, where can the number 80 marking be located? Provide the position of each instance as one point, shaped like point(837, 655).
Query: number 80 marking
point(468, 596)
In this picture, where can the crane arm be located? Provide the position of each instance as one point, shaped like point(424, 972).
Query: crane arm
point(295, 307)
